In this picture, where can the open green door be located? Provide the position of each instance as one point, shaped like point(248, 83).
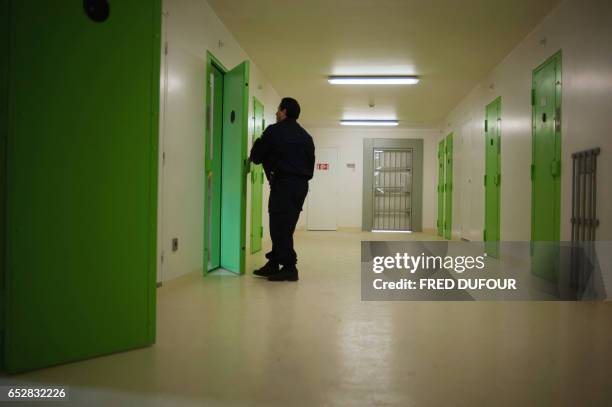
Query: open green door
point(441, 180)
point(257, 180)
point(212, 201)
point(4, 50)
point(81, 180)
point(546, 168)
point(234, 171)
point(492, 178)
point(448, 188)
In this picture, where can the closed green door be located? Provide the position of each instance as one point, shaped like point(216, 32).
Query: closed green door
point(448, 187)
point(233, 171)
point(82, 180)
point(492, 180)
point(441, 181)
point(546, 167)
point(257, 179)
point(212, 226)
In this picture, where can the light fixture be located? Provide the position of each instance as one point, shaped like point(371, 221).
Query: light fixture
point(373, 80)
point(369, 122)
point(391, 231)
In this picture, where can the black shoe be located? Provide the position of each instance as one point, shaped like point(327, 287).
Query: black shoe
point(285, 274)
point(267, 270)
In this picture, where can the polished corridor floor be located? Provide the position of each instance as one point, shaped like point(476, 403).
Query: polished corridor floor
point(233, 341)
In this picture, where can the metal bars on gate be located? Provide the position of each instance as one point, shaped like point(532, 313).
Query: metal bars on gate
point(392, 190)
point(584, 220)
point(584, 195)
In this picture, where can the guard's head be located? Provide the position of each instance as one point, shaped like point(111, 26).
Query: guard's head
point(288, 108)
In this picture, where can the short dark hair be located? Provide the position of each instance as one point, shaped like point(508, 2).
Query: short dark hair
point(291, 106)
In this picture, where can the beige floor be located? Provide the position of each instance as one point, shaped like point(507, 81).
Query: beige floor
point(228, 340)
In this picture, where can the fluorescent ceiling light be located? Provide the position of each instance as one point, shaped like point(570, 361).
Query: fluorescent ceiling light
point(391, 231)
point(373, 80)
point(369, 122)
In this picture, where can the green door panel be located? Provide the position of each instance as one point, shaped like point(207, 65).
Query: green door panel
point(233, 172)
point(212, 226)
point(257, 182)
point(448, 187)
point(492, 179)
point(81, 181)
point(546, 166)
point(4, 51)
point(440, 191)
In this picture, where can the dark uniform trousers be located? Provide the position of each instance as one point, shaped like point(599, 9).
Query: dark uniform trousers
point(287, 195)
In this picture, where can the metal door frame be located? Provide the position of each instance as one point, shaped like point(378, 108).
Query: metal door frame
point(257, 175)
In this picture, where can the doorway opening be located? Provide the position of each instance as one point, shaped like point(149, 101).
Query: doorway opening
point(392, 185)
point(257, 181)
point(392, 190)
point(225, 166)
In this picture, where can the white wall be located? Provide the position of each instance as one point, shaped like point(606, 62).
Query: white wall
point(350, 147)
point(191, 28)
point(582, 30)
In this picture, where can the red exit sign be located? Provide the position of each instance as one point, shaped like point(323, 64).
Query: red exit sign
point(323, 166)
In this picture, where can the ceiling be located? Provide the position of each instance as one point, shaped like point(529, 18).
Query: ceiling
point(450, 44)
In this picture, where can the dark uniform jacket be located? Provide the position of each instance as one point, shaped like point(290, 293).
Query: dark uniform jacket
point(287, 153)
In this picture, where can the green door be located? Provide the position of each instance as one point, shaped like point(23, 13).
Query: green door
point(492, 179)
point(546, 167)
point(257, 179)
point(212, 226)
point(233, 168)
point(82, 181)
point(441, 181)
point(448, 188)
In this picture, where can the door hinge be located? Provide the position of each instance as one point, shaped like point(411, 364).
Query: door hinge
point(166, 48)
point(261, 232)
point(484, 235)
point(558, 119)
point(497, 179)
point(555, 168)
point(209, 120)
point(532, 97)
point(162, 257)
point(532, 172)
point(485, 180)
point(486, 125)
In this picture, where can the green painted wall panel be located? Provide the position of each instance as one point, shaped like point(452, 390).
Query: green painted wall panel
point(448, 187)
point(492, 177)
point(233, 191)
point(82, 181)
point(546, 166)
point(257, 177)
